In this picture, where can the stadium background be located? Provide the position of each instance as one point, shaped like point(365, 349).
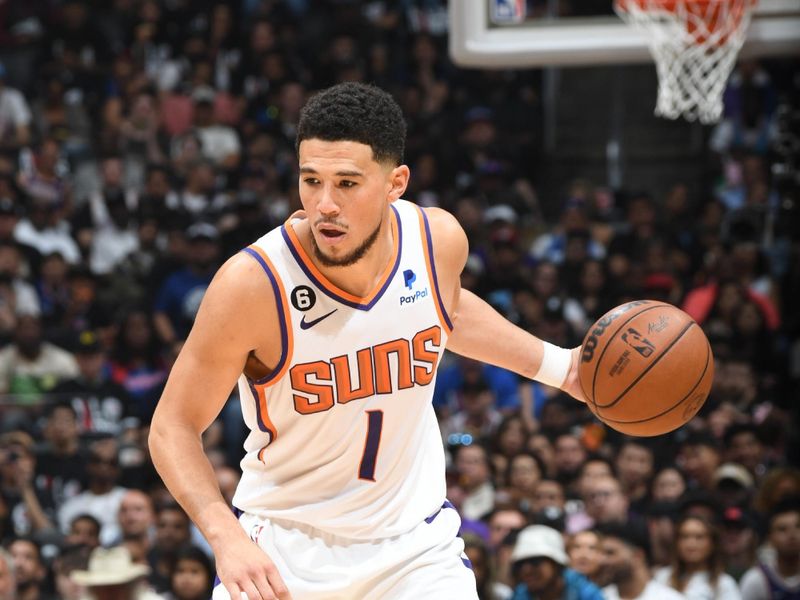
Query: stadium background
point(143, 142)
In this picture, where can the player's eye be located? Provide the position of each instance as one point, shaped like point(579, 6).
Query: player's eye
point(347, 184)
point(311, 180)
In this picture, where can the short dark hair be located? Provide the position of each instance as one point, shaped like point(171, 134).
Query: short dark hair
point(356, 112)
point(789, 504)
point(737, 429)
point(632, 534)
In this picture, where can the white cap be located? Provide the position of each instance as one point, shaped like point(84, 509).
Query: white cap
point(540, 540)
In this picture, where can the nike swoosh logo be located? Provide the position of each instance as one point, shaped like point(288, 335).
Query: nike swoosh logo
point(309, 324)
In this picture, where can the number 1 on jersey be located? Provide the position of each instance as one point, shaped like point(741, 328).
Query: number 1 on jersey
point(374, 426)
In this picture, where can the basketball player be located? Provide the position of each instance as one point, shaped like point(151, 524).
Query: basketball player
point(334, 325)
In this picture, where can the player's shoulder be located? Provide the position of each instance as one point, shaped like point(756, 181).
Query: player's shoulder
point(444, 225)
point(242, 276)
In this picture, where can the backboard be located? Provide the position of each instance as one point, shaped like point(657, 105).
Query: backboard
point(509, 33)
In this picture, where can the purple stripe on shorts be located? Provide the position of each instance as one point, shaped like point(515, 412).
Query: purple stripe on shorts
point(466, 562)
point(447, 504)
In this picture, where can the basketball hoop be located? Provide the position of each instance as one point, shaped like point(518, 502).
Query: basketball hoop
point(694, 44)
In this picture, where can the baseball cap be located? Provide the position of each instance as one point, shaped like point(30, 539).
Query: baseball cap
point(540, 541)
point(500, 212)
point(733, 472)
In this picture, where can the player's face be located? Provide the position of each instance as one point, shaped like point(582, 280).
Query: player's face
point(345, 194)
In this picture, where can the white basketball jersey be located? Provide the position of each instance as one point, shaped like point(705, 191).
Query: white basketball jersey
point(343, 433)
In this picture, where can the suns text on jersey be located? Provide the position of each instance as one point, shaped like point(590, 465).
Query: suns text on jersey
point(318, 385)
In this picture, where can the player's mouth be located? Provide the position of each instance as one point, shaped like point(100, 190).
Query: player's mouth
point(331, 235)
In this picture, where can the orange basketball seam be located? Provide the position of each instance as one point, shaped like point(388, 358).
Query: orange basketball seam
point(677, 404)
point(608, 343)
point(649, 367)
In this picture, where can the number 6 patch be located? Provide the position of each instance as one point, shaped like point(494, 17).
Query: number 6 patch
point(303, 298)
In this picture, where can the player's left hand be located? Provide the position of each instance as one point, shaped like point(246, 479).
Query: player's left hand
point(572, 384)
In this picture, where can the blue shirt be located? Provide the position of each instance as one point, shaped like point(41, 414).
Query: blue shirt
point(576, 587)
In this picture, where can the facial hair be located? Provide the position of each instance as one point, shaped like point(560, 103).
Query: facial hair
point(349, 259)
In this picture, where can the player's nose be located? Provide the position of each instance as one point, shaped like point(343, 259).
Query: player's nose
point(327, 204)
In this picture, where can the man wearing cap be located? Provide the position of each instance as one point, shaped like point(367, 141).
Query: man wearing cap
point(539, 564)
point(733, 484)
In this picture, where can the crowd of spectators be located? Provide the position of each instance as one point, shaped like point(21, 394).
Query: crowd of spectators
point(142, 142)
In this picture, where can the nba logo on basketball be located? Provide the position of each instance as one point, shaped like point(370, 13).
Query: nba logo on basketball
point(634, 339)
point(508, 11)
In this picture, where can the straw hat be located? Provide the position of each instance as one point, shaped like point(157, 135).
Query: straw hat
point(110, 566)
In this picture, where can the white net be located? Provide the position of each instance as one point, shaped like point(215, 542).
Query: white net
point(694, 44)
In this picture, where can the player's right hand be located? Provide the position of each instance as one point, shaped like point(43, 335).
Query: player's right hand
point(244, 568)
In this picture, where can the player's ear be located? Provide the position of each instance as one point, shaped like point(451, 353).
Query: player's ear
point(398, 180)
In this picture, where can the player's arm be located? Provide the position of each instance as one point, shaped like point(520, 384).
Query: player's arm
point(237, 312)
point(480, 332)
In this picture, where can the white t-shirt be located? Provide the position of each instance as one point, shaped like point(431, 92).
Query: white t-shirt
point(103, 507)
point(14, 111)
point(652, 591)
point(699, 587)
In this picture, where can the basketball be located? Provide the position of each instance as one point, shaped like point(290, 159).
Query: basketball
point(646, 368)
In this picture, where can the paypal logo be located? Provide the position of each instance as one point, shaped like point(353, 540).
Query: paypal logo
point(409, 277)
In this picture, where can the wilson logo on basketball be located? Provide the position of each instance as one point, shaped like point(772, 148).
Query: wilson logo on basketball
point(591, 342)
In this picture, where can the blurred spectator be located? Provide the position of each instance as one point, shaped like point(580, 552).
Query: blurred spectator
point(668, 484)
point(84, 530)
point(625, 569)
point(30, 570)
point(738, 541)
point(778, 577)
point(749, 102)
point(476, 415)
point(193, 575)
point(634, 467)
point(138, 364)
point(112, 575)
point(540, 568)
point(220, 144)
point(524, 473)
point(697, 570)
point(69, 560)
point(568, 458)
point(745, 446)
point(30, 507)
point(778, 484)
point(474, 470)
point(503, 521)
point(700, 456)
point(101, 405)
point(481, 560)
point(15, 116)
point(61, 461)
point(583, 549)
point(180, 296)
point(173, 531)
point(734, 485)
point(42, 229)
point(606, 503)
point(461, 370)
point(8, 582)
point(103, 496)
point(31, 365)
point(136, 524)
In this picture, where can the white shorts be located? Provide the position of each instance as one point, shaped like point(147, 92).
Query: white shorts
point(426, 562)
